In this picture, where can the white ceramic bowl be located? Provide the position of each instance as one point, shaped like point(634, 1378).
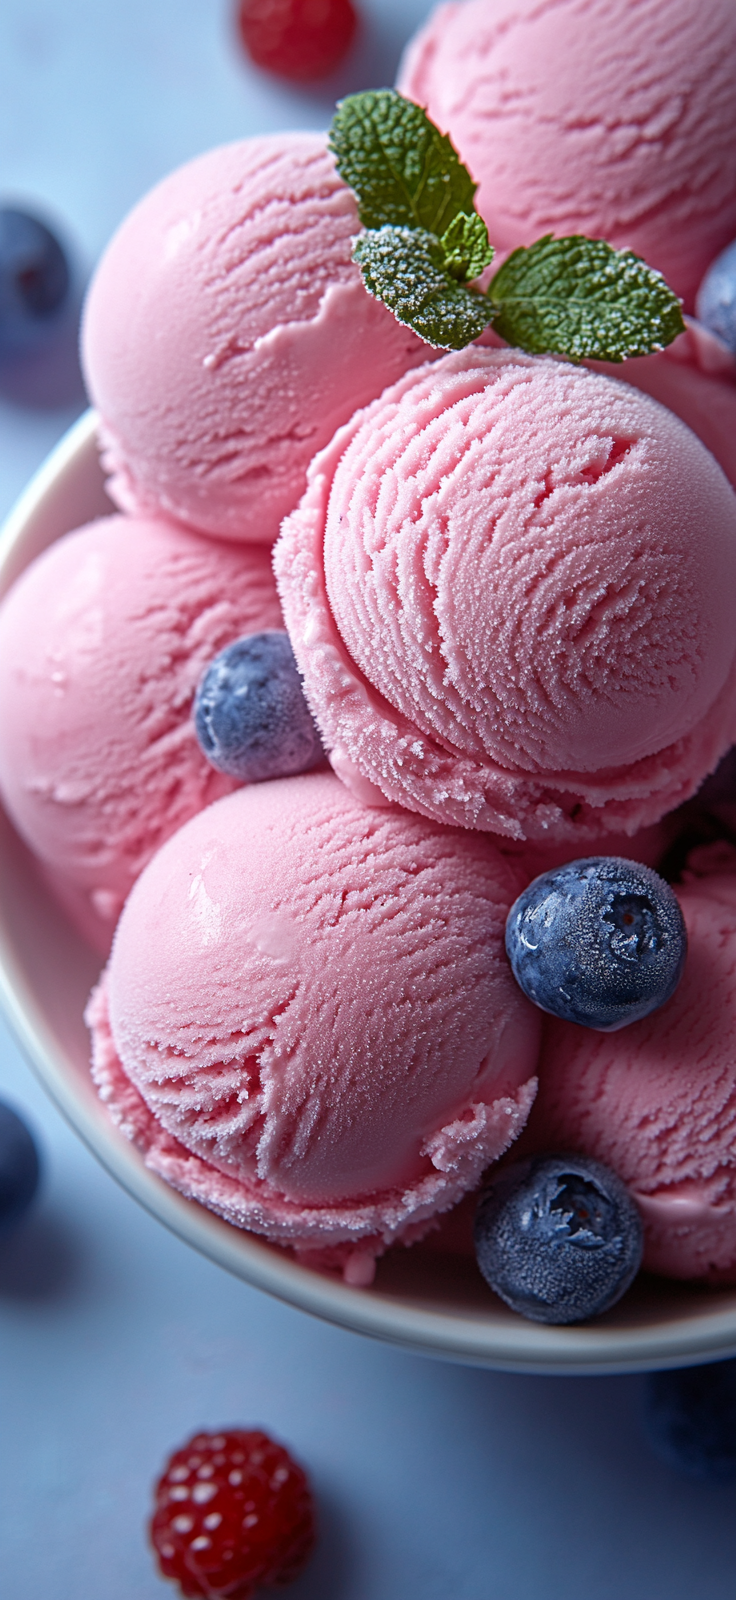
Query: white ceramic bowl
point(423, 1299)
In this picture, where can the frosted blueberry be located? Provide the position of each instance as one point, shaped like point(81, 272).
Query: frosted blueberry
point(690, 1419)
point(34, 282)
point(19, 1167)
point(716, 301)
point(40, 303)
point(558, 1237)
point(250, 714)
point(600, 941)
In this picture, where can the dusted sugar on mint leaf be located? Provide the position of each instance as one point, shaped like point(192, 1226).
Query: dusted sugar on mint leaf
point(509, 589)
point(407, 270)
point(579, 297)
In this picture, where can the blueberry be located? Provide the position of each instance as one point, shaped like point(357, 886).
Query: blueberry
point(34, 281)
point(690, 1419)
point(559, 1238)
point(40, 302)
point(19, 1168)
point(250, 714)
point(716, 302)
point(601, 941)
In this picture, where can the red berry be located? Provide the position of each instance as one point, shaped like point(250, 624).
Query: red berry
point(298, 39)
point(232, 1511)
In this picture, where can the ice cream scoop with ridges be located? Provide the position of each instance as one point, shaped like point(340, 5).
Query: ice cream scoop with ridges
point(657, 1101)
point(613, 118)
point(509, 590)
point(227, 334)
point(102, 642)
point(696, 378)
point(308, 1021)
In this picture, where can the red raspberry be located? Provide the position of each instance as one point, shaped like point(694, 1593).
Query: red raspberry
point(232, 1511)
point(298, 39)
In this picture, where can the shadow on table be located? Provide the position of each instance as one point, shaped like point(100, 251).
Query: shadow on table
point(332, 1567)
point(39, 1260)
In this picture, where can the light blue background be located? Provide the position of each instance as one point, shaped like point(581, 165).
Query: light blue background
point(116, 1341)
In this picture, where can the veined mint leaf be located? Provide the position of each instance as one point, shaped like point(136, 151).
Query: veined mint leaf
point(581, 298)
point(426, 244)
point(405, 268)
point(466, 246)
point(404, 172)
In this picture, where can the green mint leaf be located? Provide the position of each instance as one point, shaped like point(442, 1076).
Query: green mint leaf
point(426, 244)
point(579, 297)
point(404, 172)
point(466, 247)
point(406, 269)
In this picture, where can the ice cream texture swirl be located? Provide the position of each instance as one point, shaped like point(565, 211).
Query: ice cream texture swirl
point(308, 1020)
point(509, 589)
point(509, 586)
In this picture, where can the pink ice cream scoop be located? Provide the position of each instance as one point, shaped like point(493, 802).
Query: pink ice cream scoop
point(102, 642)
point(509, 588)
point(227, 334)
point(613, 118)
point(308, 1022)
point(696, 378)
point(657, 1101)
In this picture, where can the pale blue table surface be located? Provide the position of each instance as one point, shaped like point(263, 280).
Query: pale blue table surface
point(116, 1341)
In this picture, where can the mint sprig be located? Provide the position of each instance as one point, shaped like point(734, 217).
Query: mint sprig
point(425, 246)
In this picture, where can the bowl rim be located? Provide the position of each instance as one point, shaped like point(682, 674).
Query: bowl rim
point(496, 1338)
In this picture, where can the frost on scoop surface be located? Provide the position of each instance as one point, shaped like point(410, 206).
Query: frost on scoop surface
point(696, 378)
point(508, 588)
point(308, 1022)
